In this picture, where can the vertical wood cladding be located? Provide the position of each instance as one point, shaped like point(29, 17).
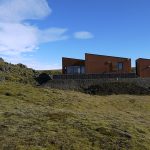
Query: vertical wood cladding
point(106, 64)
point(143, 67)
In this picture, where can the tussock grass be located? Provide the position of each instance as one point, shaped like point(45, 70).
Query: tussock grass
point(17, 73)
point(37, 118)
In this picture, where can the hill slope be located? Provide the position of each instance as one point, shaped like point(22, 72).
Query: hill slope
point(36, 118)
point(16, 73)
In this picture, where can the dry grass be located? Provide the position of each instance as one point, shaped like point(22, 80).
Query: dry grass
point(42, 119)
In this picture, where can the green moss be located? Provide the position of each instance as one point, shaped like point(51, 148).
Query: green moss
point(37, 118)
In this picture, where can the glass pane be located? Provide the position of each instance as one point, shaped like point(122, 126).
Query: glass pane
point(82, 69)
point(120, 66)
point(75, 69)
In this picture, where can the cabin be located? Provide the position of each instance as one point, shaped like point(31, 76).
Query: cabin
point(96, 64)
point(143, 67)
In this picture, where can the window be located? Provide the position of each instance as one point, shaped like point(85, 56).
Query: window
point(120, 66)
point(70, 70)
point(75, 70)
point(82, 69)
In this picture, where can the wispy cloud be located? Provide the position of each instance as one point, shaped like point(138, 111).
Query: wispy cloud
point(53, 34)
point(20, 10)
point(17, 35)
point(16, 38)
point(83, 35)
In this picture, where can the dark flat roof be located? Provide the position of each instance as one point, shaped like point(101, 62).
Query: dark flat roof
point(73, 58)
point(107, 56)
point(143, 59)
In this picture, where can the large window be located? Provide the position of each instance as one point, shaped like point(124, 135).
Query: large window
point(120, 66)
point(75, 70)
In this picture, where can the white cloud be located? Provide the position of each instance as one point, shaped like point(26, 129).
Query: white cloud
point(20, 10)
point(52, 34)
point(83, 35)
point(18, 38)
point(17, 35)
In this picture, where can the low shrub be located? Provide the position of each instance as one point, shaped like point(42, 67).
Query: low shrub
point(109, 88)
point(43, 78)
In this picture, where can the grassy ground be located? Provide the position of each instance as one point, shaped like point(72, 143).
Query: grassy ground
point(42, 119)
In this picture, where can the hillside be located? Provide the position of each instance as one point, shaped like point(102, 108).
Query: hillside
point(20, 73)
point(17, 73)
point(36, 118)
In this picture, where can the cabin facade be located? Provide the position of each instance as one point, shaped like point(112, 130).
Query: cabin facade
point(96, 64)
point(73, 66)
point(143, 67)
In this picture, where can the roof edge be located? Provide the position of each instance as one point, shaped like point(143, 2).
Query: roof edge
point(107, 56)
point(73, 58)
point(142, 59)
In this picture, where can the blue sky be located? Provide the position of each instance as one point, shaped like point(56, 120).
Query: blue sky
point(39, 33)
